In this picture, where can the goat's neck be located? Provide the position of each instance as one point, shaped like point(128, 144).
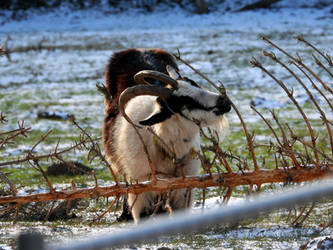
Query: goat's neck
point(179, 135)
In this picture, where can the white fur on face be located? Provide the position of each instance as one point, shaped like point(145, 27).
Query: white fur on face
point(206, 98)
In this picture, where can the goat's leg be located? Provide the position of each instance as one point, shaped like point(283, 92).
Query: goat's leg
point(136, 204)
point(181, 199)
point(142, 205)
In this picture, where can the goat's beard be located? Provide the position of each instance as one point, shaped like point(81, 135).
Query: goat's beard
point(218, 125)
point(219, 128)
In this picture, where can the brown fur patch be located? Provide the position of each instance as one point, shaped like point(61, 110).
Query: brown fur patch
point(119, 75)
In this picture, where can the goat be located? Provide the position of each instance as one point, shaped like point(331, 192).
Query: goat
point(147, 89)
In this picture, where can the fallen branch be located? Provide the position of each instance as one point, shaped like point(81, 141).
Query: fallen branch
point(258, 178)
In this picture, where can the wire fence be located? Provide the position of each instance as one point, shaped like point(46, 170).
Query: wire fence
point(181, 223)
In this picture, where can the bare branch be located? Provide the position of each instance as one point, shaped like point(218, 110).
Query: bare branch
point(299, 61)
point(326, 57)
point(4, 177)
point(96, 149)
point(255, 63)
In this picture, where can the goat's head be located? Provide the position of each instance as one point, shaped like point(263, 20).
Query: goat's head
point(179, 96)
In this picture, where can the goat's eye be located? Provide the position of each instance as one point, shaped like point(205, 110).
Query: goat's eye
point(193, 83)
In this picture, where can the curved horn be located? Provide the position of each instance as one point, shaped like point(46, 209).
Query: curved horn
point(173, 72)
point(138, 90)
point(140, 77)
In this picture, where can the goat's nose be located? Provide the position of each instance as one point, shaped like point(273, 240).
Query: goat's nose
point(223, 104)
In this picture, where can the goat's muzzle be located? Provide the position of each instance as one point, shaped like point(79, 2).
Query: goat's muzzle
point(223, 105)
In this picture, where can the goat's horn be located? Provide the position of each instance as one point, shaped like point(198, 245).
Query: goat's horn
point(138, 90)
point(140, 77)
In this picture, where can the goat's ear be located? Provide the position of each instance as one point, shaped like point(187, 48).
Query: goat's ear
point(160, 114)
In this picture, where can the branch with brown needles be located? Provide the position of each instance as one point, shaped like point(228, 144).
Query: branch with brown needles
point(262, 176)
